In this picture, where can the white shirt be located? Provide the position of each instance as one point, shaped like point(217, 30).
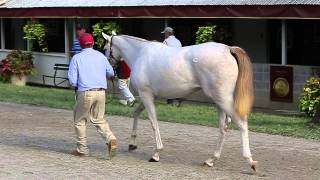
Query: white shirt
point(172, 41)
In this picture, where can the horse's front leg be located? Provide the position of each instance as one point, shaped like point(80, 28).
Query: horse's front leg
point(137, 112)
point(148, 101)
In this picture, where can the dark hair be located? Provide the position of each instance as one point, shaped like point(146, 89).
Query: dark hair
point(80, 27)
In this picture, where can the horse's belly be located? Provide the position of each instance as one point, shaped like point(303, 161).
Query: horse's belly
point(174, 90)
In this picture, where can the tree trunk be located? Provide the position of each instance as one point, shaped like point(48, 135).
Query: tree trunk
point(316, 118)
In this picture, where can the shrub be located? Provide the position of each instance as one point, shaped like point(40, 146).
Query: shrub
point(107, 28)
point(205, 34)
point(221, 34)
point(310, 97)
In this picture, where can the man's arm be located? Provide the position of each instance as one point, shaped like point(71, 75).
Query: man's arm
point(73, 73)
point(76, 48)
point(109, 70)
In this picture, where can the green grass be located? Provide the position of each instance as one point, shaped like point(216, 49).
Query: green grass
point(295, 126)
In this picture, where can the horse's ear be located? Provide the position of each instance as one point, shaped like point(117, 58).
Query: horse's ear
point(106, 37)
point(113, 33)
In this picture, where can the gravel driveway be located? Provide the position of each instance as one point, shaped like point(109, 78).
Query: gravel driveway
point(35, 143)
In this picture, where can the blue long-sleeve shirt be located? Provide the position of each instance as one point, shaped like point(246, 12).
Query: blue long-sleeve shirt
point(76, 48)
point(89, 69)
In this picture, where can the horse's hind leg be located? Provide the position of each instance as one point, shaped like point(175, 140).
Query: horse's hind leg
point(243, 127)
point(222, 128)
point(137, 112)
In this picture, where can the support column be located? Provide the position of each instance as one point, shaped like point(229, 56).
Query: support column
point(2, 34)
point(166, 22)
point(283, 42)
point(74, 29)
point(66, 40)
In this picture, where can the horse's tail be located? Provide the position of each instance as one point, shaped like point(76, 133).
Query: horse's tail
point(244, 89)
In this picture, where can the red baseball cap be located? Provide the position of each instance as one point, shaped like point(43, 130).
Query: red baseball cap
point(86, 39)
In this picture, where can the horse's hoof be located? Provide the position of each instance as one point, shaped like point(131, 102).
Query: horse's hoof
point(153, 160)
point(254, 166)
point(208, 163)
point(132, 147)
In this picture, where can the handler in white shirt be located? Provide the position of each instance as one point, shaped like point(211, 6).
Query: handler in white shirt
point(170, 39)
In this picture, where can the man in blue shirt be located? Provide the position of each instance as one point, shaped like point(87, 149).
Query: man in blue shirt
point(76, 48)
point(88, 71)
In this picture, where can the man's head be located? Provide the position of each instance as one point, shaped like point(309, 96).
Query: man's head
point(80, 30)
point(168, 31)
point(86, 40)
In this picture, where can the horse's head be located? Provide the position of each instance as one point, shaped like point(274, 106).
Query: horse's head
point(112, 52)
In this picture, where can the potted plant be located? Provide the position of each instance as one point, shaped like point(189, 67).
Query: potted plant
point(17, 66)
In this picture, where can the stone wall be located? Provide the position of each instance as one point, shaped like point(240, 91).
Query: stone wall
point(262, 86)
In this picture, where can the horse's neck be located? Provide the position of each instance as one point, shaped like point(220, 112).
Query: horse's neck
point(129, 48)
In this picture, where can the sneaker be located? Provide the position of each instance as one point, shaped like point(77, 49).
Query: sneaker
point(112, 148)
point(123, 102)
point(77, 153)
point(131, 103)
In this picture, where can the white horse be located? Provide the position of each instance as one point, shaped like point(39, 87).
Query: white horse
point(222, 72)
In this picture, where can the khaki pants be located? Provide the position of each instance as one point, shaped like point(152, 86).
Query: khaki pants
point(90, 106)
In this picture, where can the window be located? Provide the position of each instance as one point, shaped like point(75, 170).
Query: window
point(13, 30)
point(303, 42)
point(55, 34)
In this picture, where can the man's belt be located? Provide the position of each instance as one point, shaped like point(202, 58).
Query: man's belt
point(96, 89)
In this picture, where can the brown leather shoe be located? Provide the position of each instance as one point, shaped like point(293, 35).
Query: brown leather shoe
point(112, 148)
point(77, 153)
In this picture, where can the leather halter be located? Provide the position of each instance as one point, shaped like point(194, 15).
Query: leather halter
point(110, 49)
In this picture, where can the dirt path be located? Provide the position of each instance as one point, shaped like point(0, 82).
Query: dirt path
point(35, 143)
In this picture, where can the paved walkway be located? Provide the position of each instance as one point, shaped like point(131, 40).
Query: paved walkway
point(35, 143)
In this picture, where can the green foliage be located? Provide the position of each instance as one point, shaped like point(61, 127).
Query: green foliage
point(310, 96)
point(215, 33)
point(17, 63)
point(36, 33)
point(107, 28)
point(205, 34)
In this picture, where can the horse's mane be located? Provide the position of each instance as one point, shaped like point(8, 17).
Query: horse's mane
point(135, 38)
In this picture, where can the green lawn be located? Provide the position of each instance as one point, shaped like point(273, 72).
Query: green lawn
point(295, 126)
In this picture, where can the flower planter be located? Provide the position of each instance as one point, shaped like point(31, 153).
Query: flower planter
point(18, 81)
